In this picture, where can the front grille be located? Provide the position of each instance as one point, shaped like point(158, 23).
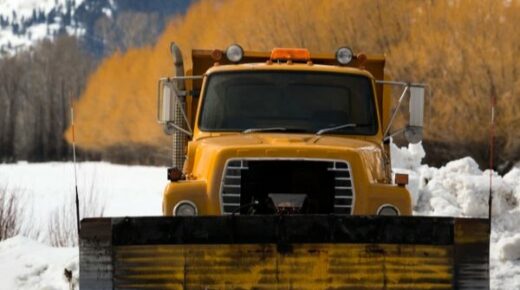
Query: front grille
point(231, 186)
point(343, 187)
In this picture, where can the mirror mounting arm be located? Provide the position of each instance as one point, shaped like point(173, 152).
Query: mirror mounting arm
point(390, 135)
point(413, 131)
point(171, 127)
point(394, 114)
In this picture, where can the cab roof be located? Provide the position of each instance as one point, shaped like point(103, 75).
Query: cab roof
point(284, 66)
point(203, 63)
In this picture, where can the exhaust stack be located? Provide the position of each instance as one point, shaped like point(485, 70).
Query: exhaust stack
point(179, 138)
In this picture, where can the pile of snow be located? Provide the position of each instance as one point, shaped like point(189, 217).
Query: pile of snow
point(509, 248)
point(459, 189)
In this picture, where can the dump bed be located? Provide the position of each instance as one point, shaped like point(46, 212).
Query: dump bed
point(284, 252)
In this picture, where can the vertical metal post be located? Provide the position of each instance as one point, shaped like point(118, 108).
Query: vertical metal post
point(491, 157)
point(74, 164)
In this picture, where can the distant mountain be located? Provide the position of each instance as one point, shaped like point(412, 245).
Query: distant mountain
point(102, 25)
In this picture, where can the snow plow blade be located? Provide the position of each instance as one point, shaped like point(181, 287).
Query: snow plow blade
point(284, 252)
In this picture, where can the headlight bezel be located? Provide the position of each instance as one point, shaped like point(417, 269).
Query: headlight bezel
point(185, 203)
point(386, 207)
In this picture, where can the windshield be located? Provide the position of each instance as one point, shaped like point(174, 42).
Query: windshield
point(292, 101)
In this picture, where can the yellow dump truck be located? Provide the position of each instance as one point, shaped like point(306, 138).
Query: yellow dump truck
point(281, 179)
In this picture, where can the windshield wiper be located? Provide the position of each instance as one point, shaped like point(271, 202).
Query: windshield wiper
point(348, 125)
point(252, 130)
point(274, 129)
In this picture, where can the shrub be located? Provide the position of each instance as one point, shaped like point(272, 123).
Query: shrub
point(10, 218)
point(62, 229)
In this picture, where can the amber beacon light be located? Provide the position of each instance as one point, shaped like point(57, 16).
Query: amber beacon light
point(293, 54)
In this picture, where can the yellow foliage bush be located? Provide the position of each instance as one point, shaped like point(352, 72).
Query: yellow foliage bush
point(465, 50)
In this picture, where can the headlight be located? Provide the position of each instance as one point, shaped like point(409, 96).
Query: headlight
point(388, 210)
point(185, 208)
point(344, 55)
point(234, 53)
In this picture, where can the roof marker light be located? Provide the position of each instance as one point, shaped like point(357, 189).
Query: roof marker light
point(344, 55)
point(216, 54)
point(234, 53)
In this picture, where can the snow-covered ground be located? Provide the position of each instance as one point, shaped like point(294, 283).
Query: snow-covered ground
point(18, 13)
point(46, 188)
point(27, 264)
point(25, 8)
point(458, 189)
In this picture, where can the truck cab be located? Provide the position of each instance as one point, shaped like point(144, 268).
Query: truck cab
point(280, 132)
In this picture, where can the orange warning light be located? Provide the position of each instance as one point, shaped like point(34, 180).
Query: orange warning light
point(293, 54)
point(401, 179)
point(216, 54)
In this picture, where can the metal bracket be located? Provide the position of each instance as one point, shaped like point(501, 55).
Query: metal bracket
point(406, 86)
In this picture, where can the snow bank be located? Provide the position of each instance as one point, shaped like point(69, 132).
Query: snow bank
point(509, 248)
point(408, 160)
point(27, 264)
point(513, 179)
point(461, 189)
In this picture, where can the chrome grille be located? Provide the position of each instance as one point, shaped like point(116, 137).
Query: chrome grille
point(230, 187)
point(343, 187)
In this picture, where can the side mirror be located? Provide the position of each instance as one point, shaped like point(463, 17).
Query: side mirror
point(167, 100)
point(414, 131)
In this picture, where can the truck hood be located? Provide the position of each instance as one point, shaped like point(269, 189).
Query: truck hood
point(299, 140)
point(212, 150)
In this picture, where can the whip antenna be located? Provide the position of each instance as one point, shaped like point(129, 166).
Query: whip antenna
point(491, 156)
point(74, 163)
